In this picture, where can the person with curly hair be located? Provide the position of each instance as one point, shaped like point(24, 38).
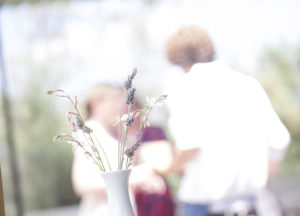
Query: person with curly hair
point(190, 45)
point(225, 130)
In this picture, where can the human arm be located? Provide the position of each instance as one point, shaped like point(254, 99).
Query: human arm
point(179, 162)
point(164, 159)
point(151, 155)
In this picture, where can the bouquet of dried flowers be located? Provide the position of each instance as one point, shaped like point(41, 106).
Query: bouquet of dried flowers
point(91, 145)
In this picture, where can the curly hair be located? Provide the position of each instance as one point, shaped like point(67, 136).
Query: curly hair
point(190, 45)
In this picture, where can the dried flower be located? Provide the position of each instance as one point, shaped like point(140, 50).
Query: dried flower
point(122, 119)
point(73, 127)
point(87, 130)
point(94, 148)
point(68, 139)
point(69, 117)
point(146, 109)
point(152, 102)
point(129, 121)
point(128, 82)
point(80, 124)
point(50, 92)
point(88, 154)
point(130, 151)
point(70, 120)
point(138, 136)
point(61, 137)
point(130, 97)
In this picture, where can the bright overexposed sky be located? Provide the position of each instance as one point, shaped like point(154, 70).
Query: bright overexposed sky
point(86, 42)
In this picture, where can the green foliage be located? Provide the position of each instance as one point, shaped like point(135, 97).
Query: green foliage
point(280, 75)
point(45, 166)
point(5, 167)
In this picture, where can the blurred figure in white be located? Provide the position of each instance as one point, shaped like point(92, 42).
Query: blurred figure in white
point(226, 132)
point(102, 108)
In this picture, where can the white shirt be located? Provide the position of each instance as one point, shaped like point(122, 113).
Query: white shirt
point(228, 116)
point(86, 175)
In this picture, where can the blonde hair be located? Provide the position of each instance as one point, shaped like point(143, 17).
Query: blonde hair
point(190, 45)
point(100, 92)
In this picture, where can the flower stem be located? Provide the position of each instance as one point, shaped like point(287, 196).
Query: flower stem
point(123, 146)
point(103, 152)
point(99, 157)
point(123, 140)
point(119, 130)
point(93, 153)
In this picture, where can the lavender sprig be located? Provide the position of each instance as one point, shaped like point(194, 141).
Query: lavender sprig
point(128, 82)
point(129, 121)
point(80, 124)
point(130, 96)
point(144, 114)
point(130, 151)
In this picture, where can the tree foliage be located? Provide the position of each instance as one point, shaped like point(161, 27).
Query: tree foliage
point(280, 75)
point(45, 166)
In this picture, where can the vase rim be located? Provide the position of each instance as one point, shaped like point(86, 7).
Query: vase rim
point(116, 171)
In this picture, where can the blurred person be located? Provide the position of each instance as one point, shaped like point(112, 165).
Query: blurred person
point(225, 129)
point(152, 196)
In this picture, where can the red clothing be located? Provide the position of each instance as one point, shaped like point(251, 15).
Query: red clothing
point(152, 204)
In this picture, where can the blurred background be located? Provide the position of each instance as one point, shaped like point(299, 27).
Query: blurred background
point(73, 45)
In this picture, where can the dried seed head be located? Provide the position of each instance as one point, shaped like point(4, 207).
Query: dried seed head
point(130, 97)
point(87, 130)
point(50, 92)
point(88, 155)
point(129, 121)
point(79, 123)
point(128, 82)
point(130, 151)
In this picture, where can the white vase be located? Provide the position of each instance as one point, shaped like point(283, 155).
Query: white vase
point(117, 193)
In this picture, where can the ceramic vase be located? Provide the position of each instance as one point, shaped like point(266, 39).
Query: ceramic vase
point(117, 193)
